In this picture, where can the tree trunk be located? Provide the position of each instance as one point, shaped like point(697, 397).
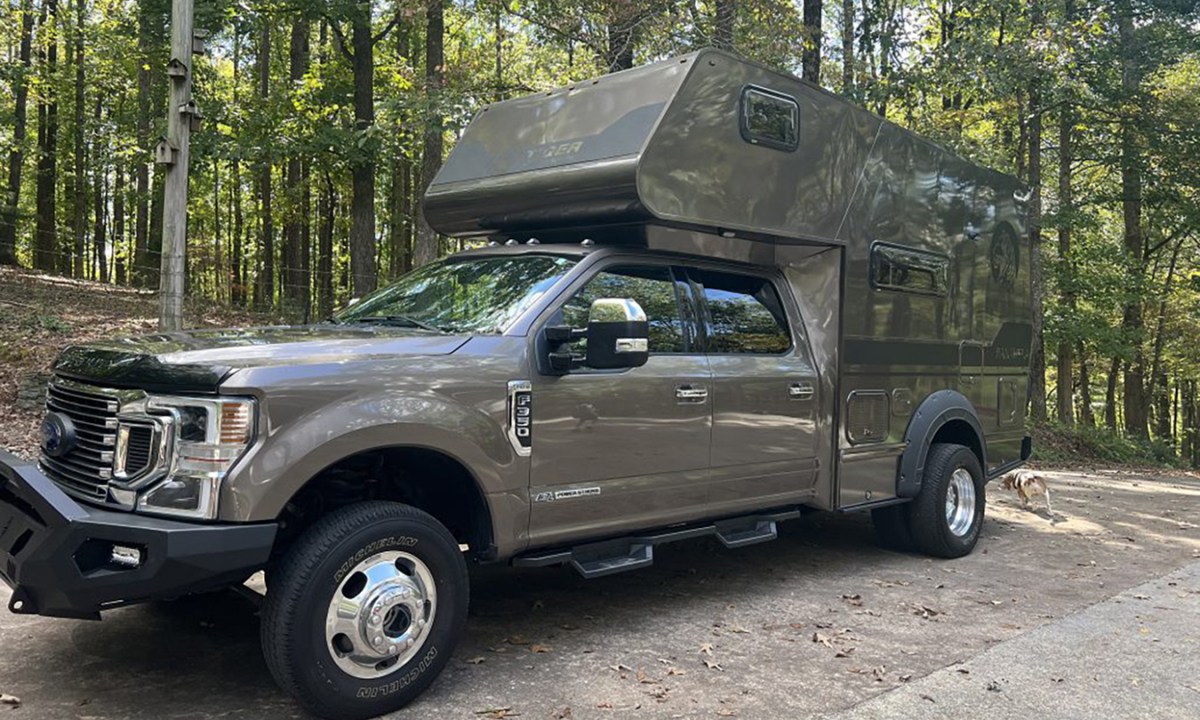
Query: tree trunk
point(726, 20)
point(326, 206)
point(431, 154)
point(1086, 416)
point(10, 206)
point(622, 35)
point(811, 57)
point(1037, 370)
point(362, 167)
point(1110, 394)
point(295, 272)
point(848, 49)
point(99, 175)
point(264, 286)
point(237, 280)
point(1066, 125)
point(45, 254)
point(79, 179)
point(143, 270)
point(1160, 393)
point(237, 285)
point(120, 254)
point(1131, 208)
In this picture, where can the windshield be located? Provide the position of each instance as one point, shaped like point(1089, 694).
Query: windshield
point(481, 295)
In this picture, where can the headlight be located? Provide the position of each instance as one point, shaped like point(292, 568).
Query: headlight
point(210, 436)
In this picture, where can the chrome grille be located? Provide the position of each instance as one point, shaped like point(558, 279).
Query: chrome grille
point(86, 468)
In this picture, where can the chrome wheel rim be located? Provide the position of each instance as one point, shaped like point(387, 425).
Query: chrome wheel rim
point(960, 502)
point(380, 614)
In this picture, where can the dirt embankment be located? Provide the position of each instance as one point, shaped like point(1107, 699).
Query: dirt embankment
point(42, 314)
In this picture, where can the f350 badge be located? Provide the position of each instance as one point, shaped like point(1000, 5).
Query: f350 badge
point(520, 416)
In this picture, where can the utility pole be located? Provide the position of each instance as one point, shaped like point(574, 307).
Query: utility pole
point(182, 118)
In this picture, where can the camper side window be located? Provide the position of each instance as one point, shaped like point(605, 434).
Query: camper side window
point(770, 119)
point(908, 270)
point(745, 314)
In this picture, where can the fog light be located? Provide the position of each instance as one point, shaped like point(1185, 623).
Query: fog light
point(126, 556)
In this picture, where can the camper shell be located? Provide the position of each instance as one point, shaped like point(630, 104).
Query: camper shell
point(909, 264)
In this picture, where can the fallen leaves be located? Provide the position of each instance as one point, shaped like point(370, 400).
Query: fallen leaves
point(475, 660)
point(535, 648)
point(712, 665)
point(498, 713)
point(878, 672)
point(853, 599)
point(926, 613)
point(12, 700)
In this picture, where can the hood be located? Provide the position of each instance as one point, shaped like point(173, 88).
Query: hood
point(198, 360)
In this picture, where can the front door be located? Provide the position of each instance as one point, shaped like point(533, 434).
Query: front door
point(764, 448)
point(619, 450)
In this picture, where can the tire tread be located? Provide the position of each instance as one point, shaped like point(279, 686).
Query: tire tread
point(291, 578)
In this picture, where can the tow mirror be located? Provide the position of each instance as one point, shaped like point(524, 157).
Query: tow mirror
point(618, 335)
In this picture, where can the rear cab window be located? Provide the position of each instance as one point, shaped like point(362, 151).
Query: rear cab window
point(744, 313)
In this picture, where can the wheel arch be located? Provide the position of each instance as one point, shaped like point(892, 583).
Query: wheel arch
point(944, 416)
point(430, 478)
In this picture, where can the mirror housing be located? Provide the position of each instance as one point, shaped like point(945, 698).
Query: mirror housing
point(618, 334)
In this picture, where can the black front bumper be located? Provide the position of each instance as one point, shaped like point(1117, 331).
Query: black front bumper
point(56, 553)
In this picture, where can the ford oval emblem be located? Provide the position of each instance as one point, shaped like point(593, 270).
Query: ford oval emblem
point(58, 434)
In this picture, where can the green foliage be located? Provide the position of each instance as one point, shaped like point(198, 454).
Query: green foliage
point(1078, 444)
point(972, 75)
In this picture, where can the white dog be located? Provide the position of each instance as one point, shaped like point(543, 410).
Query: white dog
point(1028, 484)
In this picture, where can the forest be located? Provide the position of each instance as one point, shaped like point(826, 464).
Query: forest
point(324, 120)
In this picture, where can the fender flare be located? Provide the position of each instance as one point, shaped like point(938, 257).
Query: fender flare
point(934, 412)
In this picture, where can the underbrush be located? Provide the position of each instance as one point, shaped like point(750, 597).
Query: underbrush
point(1080, 443)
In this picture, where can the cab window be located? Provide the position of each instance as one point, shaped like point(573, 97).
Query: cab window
point(745, 314)
point(652, 286)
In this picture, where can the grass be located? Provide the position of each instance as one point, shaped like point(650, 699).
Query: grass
point(1073, 444)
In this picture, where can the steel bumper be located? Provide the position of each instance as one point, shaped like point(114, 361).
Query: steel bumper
point(56, 553)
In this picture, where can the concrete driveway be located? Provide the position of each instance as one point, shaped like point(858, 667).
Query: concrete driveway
point(819, 622)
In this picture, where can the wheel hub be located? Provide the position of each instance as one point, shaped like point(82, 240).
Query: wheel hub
point(960, 502)
point(381, 614)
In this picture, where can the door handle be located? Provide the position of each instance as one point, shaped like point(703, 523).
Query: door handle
point(801, 391)
point(690, 393)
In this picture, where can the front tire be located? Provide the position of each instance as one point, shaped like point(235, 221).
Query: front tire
point(947, 514)
point(365, 610)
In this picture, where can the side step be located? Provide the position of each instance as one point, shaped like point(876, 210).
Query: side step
point(595, 560)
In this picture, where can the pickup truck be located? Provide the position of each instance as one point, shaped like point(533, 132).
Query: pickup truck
point(705, 297)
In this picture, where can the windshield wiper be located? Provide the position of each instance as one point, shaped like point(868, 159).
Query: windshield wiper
point(400, 320)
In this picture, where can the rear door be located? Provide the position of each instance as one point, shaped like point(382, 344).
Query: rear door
point(764, 445)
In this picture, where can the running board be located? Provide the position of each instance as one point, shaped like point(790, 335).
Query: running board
point(608, 557)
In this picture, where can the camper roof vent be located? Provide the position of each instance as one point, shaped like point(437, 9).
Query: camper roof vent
point(511, 242)
point(587, 242)
point(533, 241)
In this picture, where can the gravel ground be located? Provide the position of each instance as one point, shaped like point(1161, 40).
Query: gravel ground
point(816, 622)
